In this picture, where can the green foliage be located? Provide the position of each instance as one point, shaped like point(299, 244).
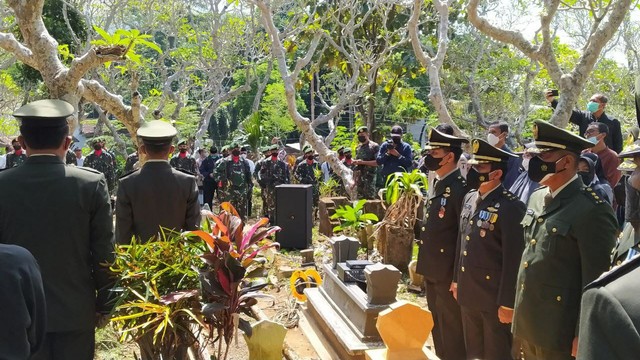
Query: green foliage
point(329, 188)
point(130, 39)
point(353, 218)
point(252, 132)
point(404, 183)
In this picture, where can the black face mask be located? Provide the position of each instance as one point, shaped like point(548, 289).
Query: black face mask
point(586, 177)
point(97, 146)
point(432, 163)
point(538, 169)
point(235, 152)
point(183, 150)
point(17, 147)
point(362, 138)
point(475, 179)
point(397, 140)
point(310, 157)
point(348, 156)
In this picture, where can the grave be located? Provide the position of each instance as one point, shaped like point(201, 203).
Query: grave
point(343, 311)
point(266, 340)
point(404, 328)
point(327, 207)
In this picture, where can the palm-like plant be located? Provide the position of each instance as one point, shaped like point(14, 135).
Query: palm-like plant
point(403, 193)
point(354, 221)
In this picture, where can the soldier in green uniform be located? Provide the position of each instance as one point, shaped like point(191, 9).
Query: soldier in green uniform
point(439, 242)
point(349, 163)
point(221, 193)
point(305, 174)
point(366, 165)
point(271, 172)
point(235, 180)
point(101, 161)
point(629, 243)
point(491, 243)
point(156, 195)
point(183, 160)
point(569, 234)
point(17, 157)
point(73, 236)
point(301, 158)
point(130, 163)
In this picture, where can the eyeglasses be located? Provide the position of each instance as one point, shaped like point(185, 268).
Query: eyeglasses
point(592, 132)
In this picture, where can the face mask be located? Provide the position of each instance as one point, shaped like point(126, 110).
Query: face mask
point(183, 150)
point(475, 179)
point(593, 140)
point(362, 138)
point(492, 139)
point(17, 147)
point(396, 139)
point(432, 163)
point(592, 106)
point(235, 152)
point(586, 177)
point(274, 156)
point(244, 156)
point(97, 147)
point(309, 157)
point(538, 169)
point(348, 156)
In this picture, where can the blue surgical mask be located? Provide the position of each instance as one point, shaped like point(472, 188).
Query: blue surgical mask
point(592, 106)
point(593, 139)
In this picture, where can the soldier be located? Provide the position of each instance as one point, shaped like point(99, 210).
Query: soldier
point(609, 315)
point(349, 163)
point(366, 165)
point(17, 157)
point(73, 238)
point(266, 153)
point(305, 173)
point(271, 172)
point(301, 158)
point(209, 183)
point(132, 162)
point(235, 180)
point(491, 243)
point(629, 243)
point(156, 195)
point(222, 195)
point(569, 233)
point(183, 160)
point(439, 242)
point(103, 162)
point(103, 143)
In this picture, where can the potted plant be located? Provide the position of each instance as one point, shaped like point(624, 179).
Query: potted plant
point(174, 289)
point(355, 222)
point(403, 196)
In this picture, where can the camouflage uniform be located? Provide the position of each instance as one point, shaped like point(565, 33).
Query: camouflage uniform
point(104, 164)
point(235, 178)
point(187, 163)
point(348, 162)
point(305, 174)
point(70, 158)
point(270, 173)
point(130, 164)
point(14, 160)
point(365, 176)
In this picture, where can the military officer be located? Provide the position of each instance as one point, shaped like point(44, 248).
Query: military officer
point(439, 242)
point(183, 160)
point(610, 315)
point(157, 195)
point(209, 183)
point(17, 157)
point(271, 172)
point(491, 243)
point(629, 242)
point(235, 180)
point(73, 234)
point(306, 173)
point(102, 161)
point(569, 234)
point(366, 165)
point(302, 157)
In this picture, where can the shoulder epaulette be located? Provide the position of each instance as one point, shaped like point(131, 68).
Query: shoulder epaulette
point(509, 195)
point(591, 194)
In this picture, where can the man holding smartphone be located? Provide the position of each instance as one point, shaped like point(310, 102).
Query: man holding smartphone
point(394, 155)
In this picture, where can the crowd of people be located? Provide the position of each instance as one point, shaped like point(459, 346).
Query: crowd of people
point(510, 246)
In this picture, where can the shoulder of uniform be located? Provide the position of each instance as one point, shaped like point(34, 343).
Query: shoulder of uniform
point(129, 173)
point(509, 195)
point(590, 194)
point(538, 189)
point(615, 273)
point(185, 172)
point(88, 169)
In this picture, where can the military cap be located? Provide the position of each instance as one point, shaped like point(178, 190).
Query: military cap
point(44, 113)
point(483, 152)
point(157, 131)
point(437, 139)
point(347, 150)
point(307, 148)
point(274, 147)
point(182, 142)
point(361, 129)
point(547, 137)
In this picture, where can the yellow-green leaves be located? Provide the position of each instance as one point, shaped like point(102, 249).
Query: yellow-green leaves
point(127, 38)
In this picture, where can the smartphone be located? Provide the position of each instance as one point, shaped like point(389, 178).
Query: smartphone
point(554, 92)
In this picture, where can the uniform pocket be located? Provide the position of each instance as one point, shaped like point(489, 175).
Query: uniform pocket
point(558, 241)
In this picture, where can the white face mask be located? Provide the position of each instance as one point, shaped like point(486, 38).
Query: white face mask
point(244, 156)
point(492, 139)
point(525, 164)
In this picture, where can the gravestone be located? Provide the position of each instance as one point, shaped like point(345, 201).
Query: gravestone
point(307, 256)
point(404, 328)
point(344, 248)
point(382, 283)
point(266, 341)
point(327, 207)
point(417, 280)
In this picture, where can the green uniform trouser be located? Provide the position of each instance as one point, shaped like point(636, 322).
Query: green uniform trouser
point(239, 198)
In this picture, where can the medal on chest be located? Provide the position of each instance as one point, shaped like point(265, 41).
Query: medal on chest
point(443, 203)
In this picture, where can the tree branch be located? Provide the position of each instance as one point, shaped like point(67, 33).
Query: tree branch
point(9, 43)
point(92, 59)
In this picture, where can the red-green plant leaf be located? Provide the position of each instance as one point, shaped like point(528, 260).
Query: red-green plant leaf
point(261, 234)
point(249, 234)
point(212, 308)
point(176, 296)
point(226, 206)
point(221, 227)
point(247, 260)
point(236, 271)
point(245, 326)
point(204, 236)
point(224, 280)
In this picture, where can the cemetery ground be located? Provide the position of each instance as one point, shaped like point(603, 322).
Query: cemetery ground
point(285, 310)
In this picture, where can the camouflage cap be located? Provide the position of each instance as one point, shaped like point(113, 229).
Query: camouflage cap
point(307, 148)
point(44, 113)
point(347, 150)
point(182, 142)
point(234, 145)
point(361, 129)
point(274, 147)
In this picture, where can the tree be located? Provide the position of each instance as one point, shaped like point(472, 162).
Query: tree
point(606, 17)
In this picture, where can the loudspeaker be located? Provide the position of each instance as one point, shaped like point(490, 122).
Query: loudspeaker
point(294, 204)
